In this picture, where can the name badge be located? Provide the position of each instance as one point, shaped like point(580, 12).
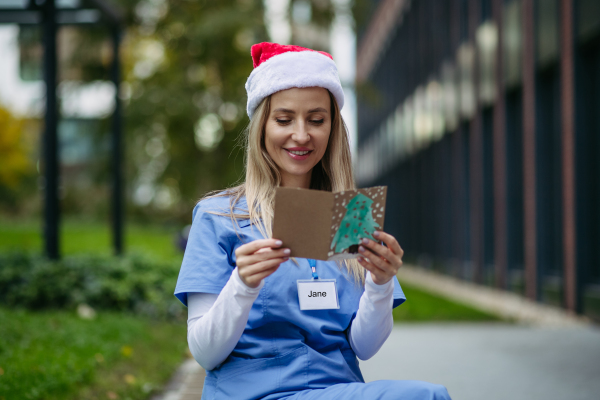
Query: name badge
point(318, 294)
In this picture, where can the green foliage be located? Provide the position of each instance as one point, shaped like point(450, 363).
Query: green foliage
point(322, 14)
point(133, 283)
point(56, 355)
point(17, 170)
point(92, 237)
point(422, 306)
point(184, 61)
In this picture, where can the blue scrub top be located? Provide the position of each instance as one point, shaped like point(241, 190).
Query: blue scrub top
point(283, 350)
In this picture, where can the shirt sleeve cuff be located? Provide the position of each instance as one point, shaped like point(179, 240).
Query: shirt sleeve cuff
point(242, 288)
point(378, 291)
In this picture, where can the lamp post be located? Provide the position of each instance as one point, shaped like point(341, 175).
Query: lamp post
point(50, 17)
point(50, 138)
point(117, 149)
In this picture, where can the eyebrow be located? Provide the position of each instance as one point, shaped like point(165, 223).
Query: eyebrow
point(287, 110)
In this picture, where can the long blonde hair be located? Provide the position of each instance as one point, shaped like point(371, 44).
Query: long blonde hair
point(332, 173)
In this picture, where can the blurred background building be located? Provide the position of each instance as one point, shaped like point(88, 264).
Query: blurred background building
point(482, 117)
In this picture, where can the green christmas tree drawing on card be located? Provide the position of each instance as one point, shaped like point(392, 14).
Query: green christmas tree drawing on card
point(358, 223)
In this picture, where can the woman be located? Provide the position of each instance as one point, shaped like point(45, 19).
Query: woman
point(245, 326)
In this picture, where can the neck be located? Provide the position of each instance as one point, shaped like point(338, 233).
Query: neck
point(297, 181)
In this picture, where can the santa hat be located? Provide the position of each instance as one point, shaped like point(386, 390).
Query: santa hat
point(278, 67)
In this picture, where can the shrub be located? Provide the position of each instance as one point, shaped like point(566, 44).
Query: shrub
point(132, 283)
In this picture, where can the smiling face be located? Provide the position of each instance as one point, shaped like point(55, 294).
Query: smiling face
point(297, 132)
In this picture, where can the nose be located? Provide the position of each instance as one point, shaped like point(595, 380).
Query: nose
point(301, 135)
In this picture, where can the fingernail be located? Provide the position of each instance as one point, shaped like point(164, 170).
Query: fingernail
point(361, 259)
point(287, 251)
point(361, 249)
point(278, 243)
point(376, 233)
point(365, 241)
point(285, 258)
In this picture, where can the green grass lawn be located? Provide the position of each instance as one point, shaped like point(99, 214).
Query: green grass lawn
point(422, 306)
point(91, 237)
point(56, 355)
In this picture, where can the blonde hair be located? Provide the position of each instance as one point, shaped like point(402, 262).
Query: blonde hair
point(332, 173)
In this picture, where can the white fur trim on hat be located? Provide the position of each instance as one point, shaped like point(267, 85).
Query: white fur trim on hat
point(289, 70)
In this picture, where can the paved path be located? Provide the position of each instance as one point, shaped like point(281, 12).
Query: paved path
point(494, 361)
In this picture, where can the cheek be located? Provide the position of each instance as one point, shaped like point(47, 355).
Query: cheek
point(323, 138)
point(273, 138)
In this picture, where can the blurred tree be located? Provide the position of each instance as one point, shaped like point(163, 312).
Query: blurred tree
point(186, 63)
point(310, 23)
point(16, 166)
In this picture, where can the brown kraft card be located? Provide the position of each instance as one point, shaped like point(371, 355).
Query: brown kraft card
point(324, 225)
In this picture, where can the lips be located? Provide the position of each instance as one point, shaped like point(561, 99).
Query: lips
point(298, 153)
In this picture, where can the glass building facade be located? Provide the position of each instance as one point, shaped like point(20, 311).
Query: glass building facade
point(483, 119)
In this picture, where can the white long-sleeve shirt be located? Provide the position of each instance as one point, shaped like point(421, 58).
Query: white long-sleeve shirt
point(216, 322)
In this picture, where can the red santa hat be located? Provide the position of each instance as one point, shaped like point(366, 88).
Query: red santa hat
point(278, 67)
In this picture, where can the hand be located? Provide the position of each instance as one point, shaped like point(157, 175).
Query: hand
point(258, 259)
point(385, 264)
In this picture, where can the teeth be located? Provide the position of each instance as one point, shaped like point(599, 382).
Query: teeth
point(298, 153)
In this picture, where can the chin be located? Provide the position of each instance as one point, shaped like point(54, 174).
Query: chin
point(298, 173)
point(296, 168)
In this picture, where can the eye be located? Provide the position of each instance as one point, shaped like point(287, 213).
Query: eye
point(283, 121)
point(318, 121)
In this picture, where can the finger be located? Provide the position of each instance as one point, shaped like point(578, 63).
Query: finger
point(262, 256)
point(368, 265)
point(372, 259)
point(256, 245)
point(252, 278)
point(260, 267)
point(388, 253)
point(264, 274)
point(374, 270)
point(390, 241)
point(255, 279)
point(381, 250)
point(376, 260)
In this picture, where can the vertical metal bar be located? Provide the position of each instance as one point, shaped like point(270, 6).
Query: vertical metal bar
point(50, 141)
point(458, 219)
point(476, 158)
point(529, 192)
point(458, 201)
point(117, 149)
point(568, 156)
point(499, 143)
